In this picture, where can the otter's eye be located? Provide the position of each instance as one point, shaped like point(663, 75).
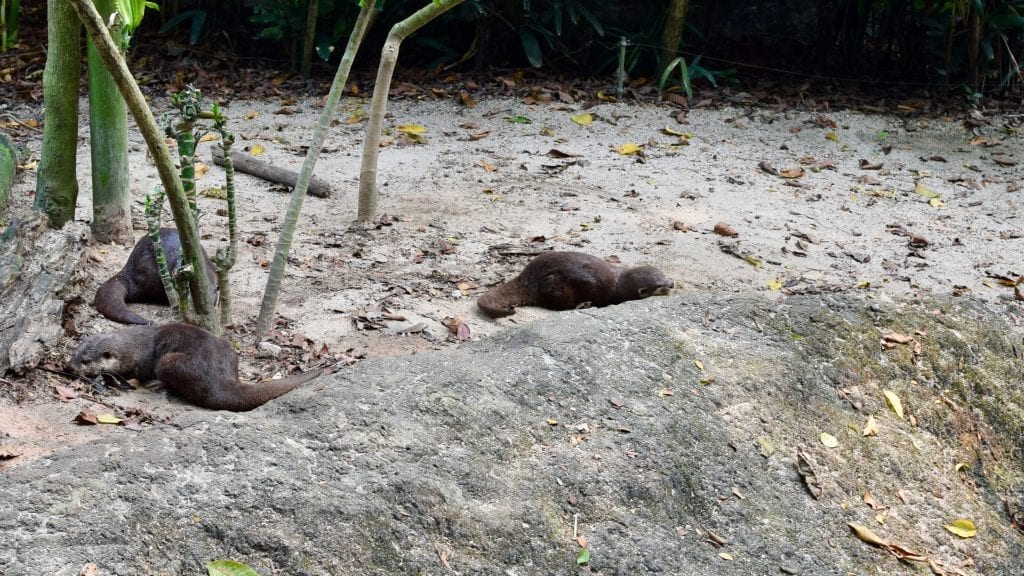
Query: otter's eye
point(107, 356)
point(85, 361)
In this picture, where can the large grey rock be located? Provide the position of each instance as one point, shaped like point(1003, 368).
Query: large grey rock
point(453, 463)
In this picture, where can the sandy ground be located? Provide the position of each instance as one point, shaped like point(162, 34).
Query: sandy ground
point(893, 205)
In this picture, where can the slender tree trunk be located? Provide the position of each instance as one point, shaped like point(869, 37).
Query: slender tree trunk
point(368, 196)
point(291, 219)
point(108, 144)
point(8, 160)
point(56, 182)
point(973, 47)
point(672, 33)
point(186, 224)
point(309, 45)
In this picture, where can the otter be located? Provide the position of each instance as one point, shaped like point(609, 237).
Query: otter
point(139, 280)
point(194, 364)
point(567, 280)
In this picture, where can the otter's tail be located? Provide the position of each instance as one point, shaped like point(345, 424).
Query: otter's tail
point(500, 301)
point(248, 396)
point(109, 301)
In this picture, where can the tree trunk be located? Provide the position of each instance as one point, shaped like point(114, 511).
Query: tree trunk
point(284, 242)
point(186, 224)
point(56, 181)
point(8, 162)
point(108, 144)
point(368, 196)
point(309, 45)
point(672, 33)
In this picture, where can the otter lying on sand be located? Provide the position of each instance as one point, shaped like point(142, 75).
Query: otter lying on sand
point(567, 280)
point(139, 280)
point(196, 365)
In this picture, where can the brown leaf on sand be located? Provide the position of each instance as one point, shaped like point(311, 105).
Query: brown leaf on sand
point(65, 393)
point(86, 417)
point(723, 229)
point(897, 338)
point(792, 172)
point(868, 165)
point(767, 168)
point(805, 467)
point(866, 535)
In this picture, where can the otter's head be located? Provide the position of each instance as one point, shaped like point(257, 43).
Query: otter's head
point(643, 281)
point(98, 354)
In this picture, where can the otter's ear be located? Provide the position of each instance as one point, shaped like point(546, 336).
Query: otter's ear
point(644, 292)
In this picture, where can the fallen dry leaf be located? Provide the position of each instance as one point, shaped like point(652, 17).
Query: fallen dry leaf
point(962, 527)
point(806, 468)
point(723, 229)
point(870, 427)
point(828, 440)
point(628, 149)
point(894, 402)
point(897, 338)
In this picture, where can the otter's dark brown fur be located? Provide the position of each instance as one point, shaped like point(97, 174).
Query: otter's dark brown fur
point(567, 280)
point(139, 280)
point(196, 365)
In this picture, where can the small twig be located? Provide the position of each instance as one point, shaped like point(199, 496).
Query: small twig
point(575, 526)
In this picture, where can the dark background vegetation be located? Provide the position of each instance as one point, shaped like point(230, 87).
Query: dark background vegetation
point(951, 44)
point(961, 49)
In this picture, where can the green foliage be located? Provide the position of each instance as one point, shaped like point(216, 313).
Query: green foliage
point(196, 16)
point(285, 21)
point(132, 11)
point(547, 21)
point(694, 70)
point(952, 42)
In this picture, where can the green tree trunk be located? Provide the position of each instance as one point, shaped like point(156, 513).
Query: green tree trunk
point(291, 218)
point(183, 219)
point(8, 160)
point(672, 33)
point(108, 144)
point(56, 182)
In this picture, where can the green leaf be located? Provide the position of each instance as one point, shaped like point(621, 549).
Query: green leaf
point(229, 568)
point(962, 527)
point(583, 558)
point(590, 18)
point(532, 48)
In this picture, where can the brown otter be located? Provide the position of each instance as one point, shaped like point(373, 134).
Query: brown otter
point(139, 280)
point(196, 365)
point(567, 280)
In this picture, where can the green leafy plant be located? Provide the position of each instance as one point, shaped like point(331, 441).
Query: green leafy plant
point(197, 17)
point(689, 72)
point(131, 12)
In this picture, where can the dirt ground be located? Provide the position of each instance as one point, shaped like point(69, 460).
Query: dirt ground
point(896, 205)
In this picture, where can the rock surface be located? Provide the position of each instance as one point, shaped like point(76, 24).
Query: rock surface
point(642, 427)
